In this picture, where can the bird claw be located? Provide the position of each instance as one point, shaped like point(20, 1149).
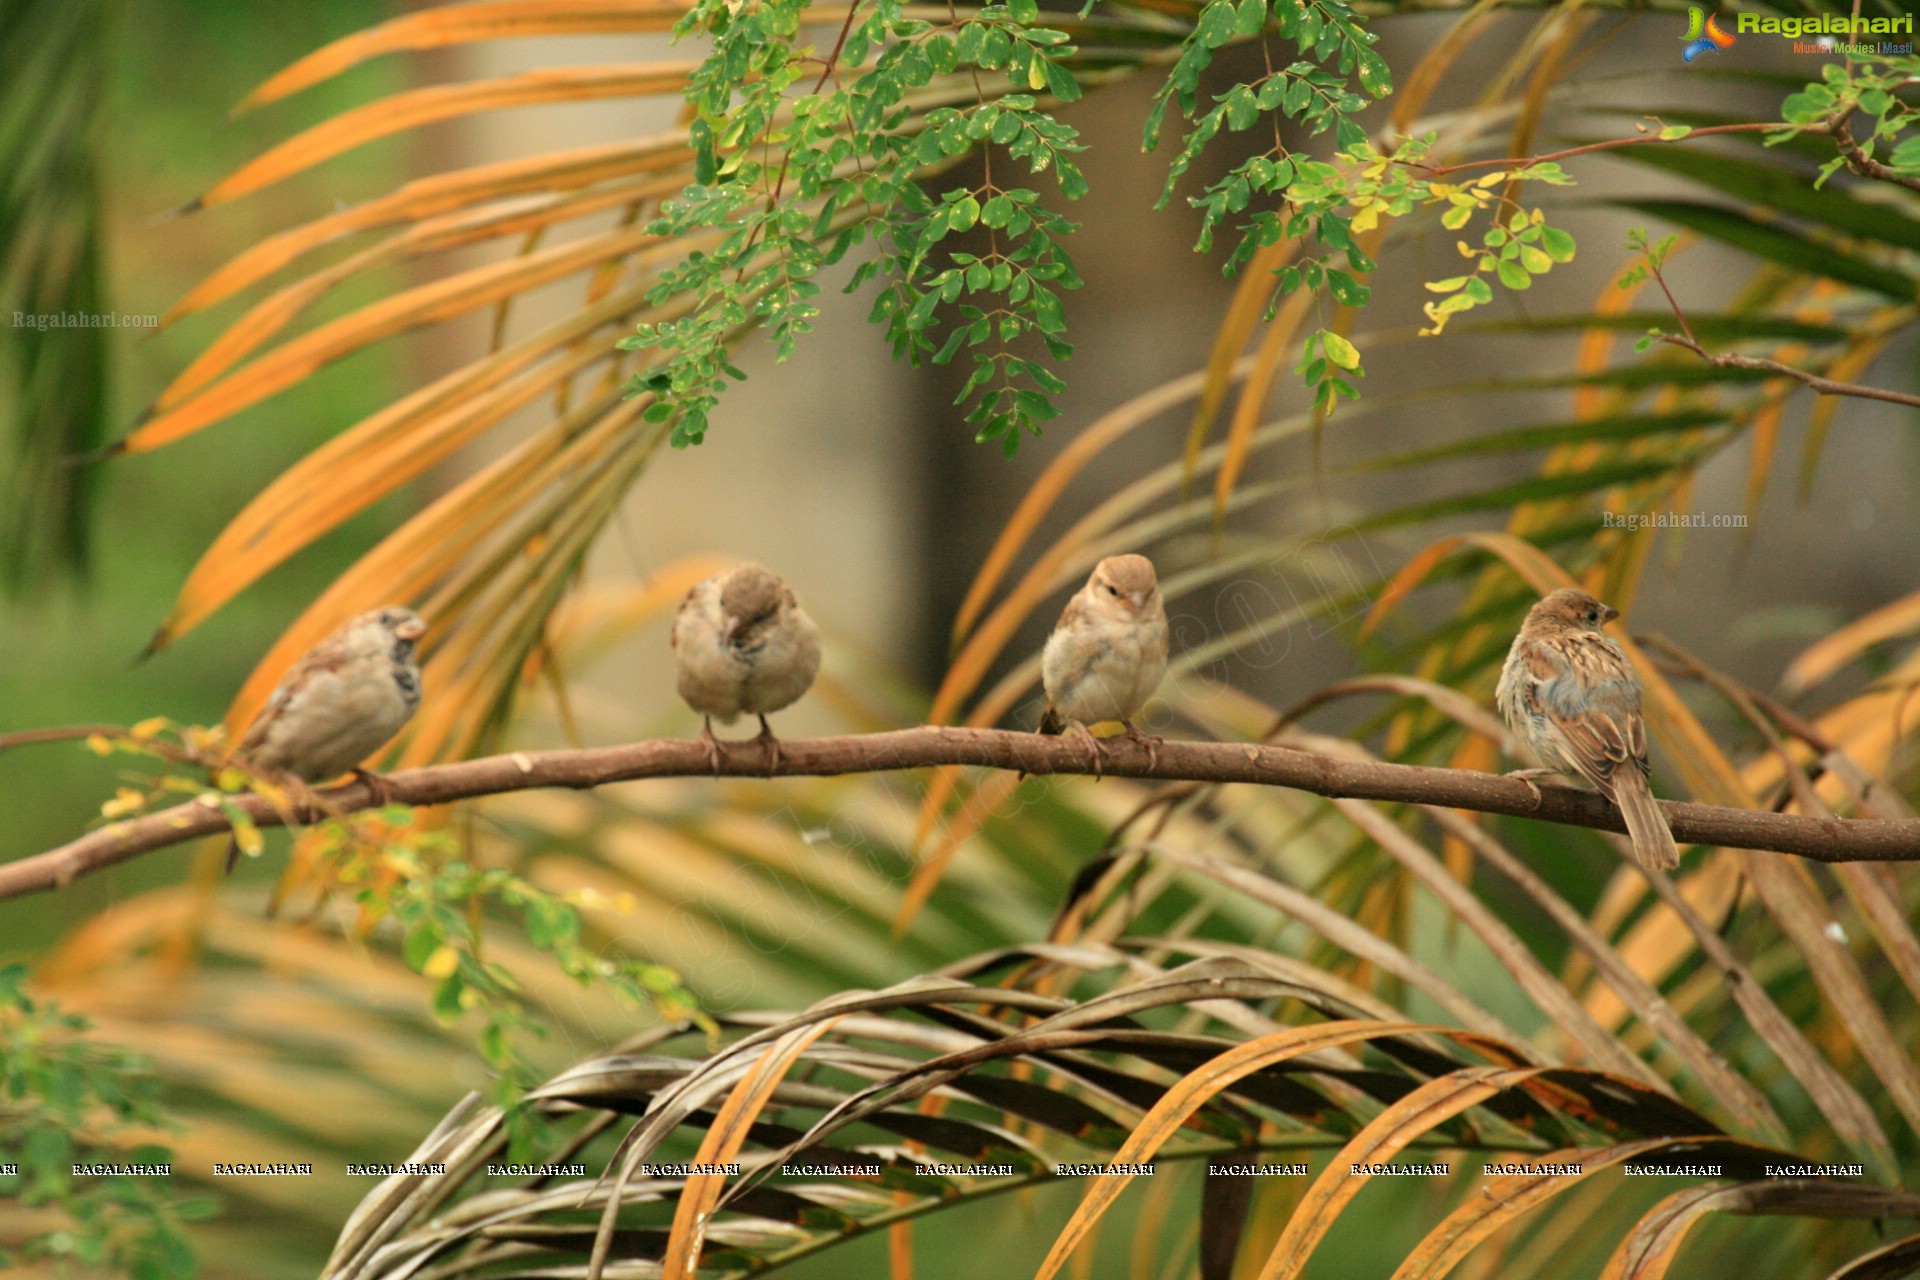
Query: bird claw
point(713, 745)
point(304, 804)
point(1528, 775)
point(1098, 757)
point(377, 786)
point(773, 746)
point(1150, 742)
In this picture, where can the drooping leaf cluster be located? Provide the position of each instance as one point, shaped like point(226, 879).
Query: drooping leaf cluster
point(805, 153)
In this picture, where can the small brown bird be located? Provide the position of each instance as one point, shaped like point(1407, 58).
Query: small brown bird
point(1107, 653)
point(1570, 694)
point(743, 645)
point(341, 702)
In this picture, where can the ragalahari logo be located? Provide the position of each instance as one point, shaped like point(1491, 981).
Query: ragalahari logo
point(1703, 34)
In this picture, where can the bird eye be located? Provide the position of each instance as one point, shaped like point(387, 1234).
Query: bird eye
point(1112, 590)
point(1592, 616)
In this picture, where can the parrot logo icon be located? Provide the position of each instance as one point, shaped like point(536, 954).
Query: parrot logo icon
point(1703, 34)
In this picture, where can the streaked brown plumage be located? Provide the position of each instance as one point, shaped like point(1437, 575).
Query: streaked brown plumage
point(341, 702)
point(1571, 695)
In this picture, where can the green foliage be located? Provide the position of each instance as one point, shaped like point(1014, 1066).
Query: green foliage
point(789, 186)
point(1848, 90)
point(410, 872)
point(1517, 251)
point(67, 1101)
point(1653, 256)
point(1304, 91)
point(1311, 193)
point(441, 905)
point(803, 156)
point(1323, 358)
point(1283, 194)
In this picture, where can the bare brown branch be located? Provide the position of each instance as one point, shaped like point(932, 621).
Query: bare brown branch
point(1822, 839)
point(1686, 341)
point(1825, 386)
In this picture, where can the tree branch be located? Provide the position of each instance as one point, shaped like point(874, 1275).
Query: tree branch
point(1686, 341)
point(1825, 386)
point(1822, 839)
point(1857, 159)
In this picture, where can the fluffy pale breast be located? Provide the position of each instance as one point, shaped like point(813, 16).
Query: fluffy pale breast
point(1578, 706)
point(711, 677)
point(1527, 667)
point(1104, 670)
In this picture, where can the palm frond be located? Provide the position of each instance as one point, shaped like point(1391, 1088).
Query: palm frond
point(804, 1131)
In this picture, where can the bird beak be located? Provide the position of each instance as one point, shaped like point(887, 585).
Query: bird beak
point(726, 632)
point(411, 629)
point(1610, 614)
point(1139, 599)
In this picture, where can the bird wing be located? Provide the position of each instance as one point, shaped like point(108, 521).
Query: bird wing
point(1075, 615)
point(1594, 703)
point(686, 603)
point(326, 658)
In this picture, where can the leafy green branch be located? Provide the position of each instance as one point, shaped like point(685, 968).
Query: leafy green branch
point(1865, 89)
point(1327, 204)
point(412, 873)
point(1331, 203)
point(802, 156)
point(440, 904)
point(791, 184)
point(1303, 198)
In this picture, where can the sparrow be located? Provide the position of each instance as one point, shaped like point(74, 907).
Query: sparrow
point(743, 644)
point(1107, 653)
point(342, 701)
point(1571, 696)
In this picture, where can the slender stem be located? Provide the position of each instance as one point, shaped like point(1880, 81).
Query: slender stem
point(1612, 144)
point(65, 733)
point(827, 67)
point(113, 732)
point(1825, 386)
point(1673, 303)
point(1686, 341)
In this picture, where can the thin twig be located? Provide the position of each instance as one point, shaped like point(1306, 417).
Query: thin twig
point(1612, 144)
point(1686, 341)
point(1821, 839)
point(1825, 386)
point(119, 734)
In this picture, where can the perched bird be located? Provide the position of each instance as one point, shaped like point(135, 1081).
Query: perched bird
point(1570, 694)
point(743, 645)
point(339, 703)
point(1107, 653)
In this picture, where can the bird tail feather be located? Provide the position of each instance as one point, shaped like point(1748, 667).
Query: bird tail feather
point(1051, 722)
point(1653, 844)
